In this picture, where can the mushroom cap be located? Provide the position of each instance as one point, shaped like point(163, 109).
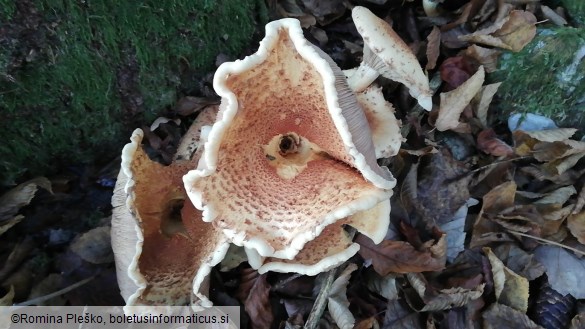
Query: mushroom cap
point(288, 87)
point(385, 52)
point(383, 123)
point(161, 257)
point(333, 246)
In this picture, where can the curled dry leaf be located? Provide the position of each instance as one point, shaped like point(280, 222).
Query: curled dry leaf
point(383, 285)
point(456, 70)
point(580, 201)
point(443, 299)
point(454, 102)
point(483, 100)
point(433, 48)
point(511, 289)
point(337, 302)
point(512, 33)
point(20, 196)
point(499, 198)
point(488, 142)
point(500, 316)
point(401, 257)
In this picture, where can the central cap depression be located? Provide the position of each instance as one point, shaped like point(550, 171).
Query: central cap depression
point(291, 151)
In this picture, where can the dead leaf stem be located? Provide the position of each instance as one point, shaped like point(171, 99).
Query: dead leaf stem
point(321, 301)
point(577, 251)
point(63, 291)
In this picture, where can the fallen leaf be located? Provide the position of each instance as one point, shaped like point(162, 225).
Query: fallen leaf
point(519, 261)
point(337, 302)
point(488, 142)
point(484, 56)
point(578, 321)
point(6, 300)
point(455, 230)
point(20, 196)
point(499, 316)
point(511, 289)
point(455, 71)
point(8, 224)
point(383, 285)
point(499, 198)
point(512, 33)
point(401, 257)
point(94, 246)
point(433, 48)
point(483, 100)
point(443, 299)
point(399, 316)
point(454, 102)
point(257, 304)
point(558, 196)
point(576, 225)
point(566, 272)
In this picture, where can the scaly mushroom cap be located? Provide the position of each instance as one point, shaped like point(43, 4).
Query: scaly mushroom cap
point(386, 54)
point(333, 246)
point(291, 151)
point(163, 250)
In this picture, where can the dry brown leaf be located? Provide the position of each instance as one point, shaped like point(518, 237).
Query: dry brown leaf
point(443, 299)
point(367, 323)
point(454, 102)
point(433, 48)
point(485, 56)
point(511, 289)
point(94, 246)
point(499, 316)
point(499, 198)
point(401, 257)
point(556, 150)
point(512, 33)
point(548, 135)
point(8, 224)
point(257, 304)
point(558, 196)
point(483, 100)
point(20, 196)
point(576, 225)
point(488, 142)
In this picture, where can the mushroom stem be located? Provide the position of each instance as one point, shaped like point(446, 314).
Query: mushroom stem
point(362, 78)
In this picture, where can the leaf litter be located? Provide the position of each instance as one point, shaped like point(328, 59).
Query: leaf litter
point(450, 262)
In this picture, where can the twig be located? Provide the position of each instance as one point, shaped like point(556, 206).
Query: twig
point(65, 290)
point(280, 284)
point(321, 302)
point(577, 251)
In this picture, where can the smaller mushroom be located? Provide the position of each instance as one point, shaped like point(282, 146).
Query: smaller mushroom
point(387, 55)
point(163, 250)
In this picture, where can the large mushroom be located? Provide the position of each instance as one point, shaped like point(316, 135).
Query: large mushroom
point(291, 151)
point(163, 250)
point(386, 54)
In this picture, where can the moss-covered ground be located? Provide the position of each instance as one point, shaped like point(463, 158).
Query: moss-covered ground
point(77, 76)
point(544, 78)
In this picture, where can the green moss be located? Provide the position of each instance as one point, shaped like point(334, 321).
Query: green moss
point(538, 79)
point(576, 9)
point(60, 95)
